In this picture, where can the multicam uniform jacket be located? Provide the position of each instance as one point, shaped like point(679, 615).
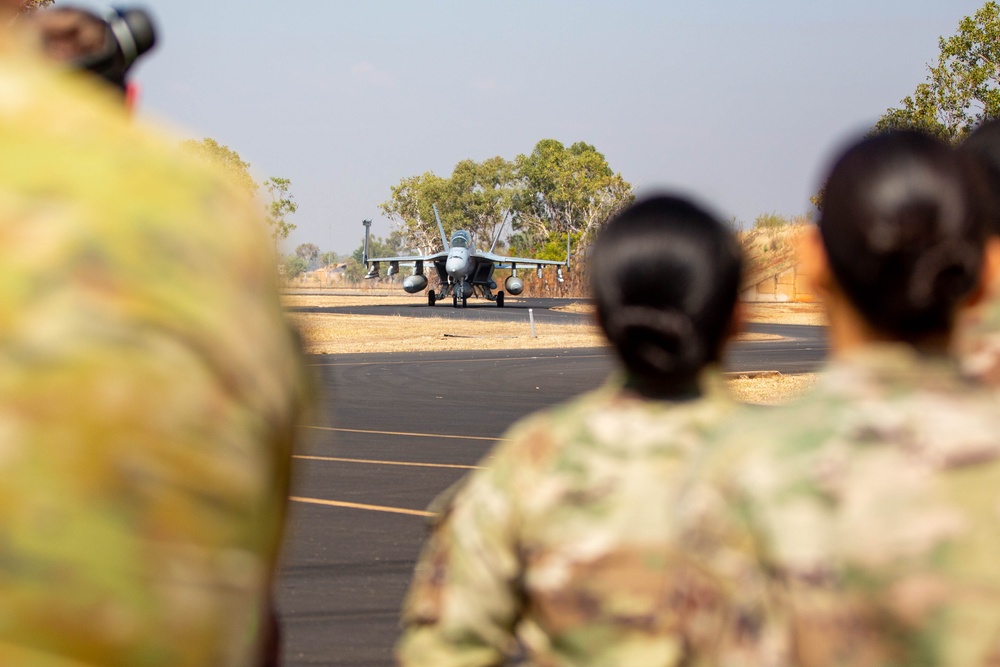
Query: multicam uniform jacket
point(560, 542)
point(978, 340)
point(860, 526)
point(148, 387)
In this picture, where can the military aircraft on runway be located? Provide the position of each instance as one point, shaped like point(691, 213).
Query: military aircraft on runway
point(462, 271)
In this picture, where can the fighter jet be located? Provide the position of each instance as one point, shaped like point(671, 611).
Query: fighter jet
point(462, 271)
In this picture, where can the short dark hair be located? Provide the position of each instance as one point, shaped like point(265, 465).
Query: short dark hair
point(903, 227)
point(665, 275)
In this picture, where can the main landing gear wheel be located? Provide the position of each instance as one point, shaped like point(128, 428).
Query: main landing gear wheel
point(465, 301)
point(454, 300)
point(431, 298)
point(499, 299)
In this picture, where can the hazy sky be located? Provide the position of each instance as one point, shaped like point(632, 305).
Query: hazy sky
point(739, 103)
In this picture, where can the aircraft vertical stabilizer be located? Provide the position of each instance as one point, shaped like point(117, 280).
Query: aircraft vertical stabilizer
point(444, 239)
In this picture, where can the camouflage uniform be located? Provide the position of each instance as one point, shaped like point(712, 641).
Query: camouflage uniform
point(148, 386)
point(858, 527)
point(979, 339)
point(560, 541)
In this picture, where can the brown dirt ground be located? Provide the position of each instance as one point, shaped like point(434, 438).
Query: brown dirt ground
point(324, 333)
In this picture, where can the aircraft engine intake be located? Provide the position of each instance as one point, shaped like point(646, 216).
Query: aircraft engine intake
point(415, 283)
point(513, 285)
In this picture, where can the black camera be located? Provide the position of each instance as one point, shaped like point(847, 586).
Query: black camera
point(129, 34)
point(106, 44)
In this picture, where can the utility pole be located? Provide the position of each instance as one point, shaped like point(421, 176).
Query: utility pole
point(329, 262)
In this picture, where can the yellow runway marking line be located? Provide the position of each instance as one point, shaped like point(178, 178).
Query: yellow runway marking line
point(385, 463)
point(360, 506)
point(403, 433)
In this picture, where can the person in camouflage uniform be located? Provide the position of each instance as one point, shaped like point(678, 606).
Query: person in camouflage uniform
point(978, 339)
point(559, 542)
point(860, 525)
point(149, 385)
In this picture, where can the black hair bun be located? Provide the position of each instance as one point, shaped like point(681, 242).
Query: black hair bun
point(663, 341)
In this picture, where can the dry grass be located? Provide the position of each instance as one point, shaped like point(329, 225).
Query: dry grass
point(784, 313)
point(328, 333)
point(346, 334)
point(769, 389)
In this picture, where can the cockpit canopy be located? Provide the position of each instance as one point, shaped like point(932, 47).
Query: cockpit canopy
point(461, 239)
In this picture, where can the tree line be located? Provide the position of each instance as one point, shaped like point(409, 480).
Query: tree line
point(527, 205)
point(961, 89)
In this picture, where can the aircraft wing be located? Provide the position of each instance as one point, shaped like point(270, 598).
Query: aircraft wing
point(504, 262)
point(411, 258)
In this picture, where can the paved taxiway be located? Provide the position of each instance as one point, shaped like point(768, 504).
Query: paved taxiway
point(391, 432)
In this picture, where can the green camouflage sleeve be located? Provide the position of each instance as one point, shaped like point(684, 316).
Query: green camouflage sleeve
point(735, 613)
point(464, 599)
point(978, 340)
point(859, 527)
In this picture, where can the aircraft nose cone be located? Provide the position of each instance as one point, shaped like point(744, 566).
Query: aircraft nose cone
point(455, 265)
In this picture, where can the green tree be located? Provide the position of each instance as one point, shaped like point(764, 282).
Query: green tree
point(310, 253)
point(963, 88)
point(282, 204)
point(294, 266)
point(328, 258)
point(28, 6)
point(481, 198)
point(478, 197)
point(566, 190)
point(410, 210)
point(226, 159)
point(553, 192)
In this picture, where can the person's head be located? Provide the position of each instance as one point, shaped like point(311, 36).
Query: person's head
point(70, 34)
point(902, 228)
point(106, 45)
point(665, 276)
point(984, 146)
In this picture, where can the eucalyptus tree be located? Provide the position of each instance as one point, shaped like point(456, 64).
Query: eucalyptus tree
point(963, 88)
point(281, 205)
point(226, 159)
point(566, 191)
point(481, 198)
point(410, 208)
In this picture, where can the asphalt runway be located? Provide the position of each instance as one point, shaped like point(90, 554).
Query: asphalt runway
point(392, 431)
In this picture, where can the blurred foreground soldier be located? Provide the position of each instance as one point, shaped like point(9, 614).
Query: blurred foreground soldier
point(560, 541)
point(861, 525)
point(148, 389)
point(979, 329)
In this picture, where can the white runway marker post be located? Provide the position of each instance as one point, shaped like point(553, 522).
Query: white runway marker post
point(531, 318)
